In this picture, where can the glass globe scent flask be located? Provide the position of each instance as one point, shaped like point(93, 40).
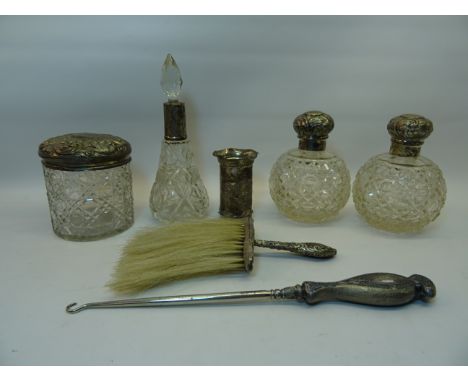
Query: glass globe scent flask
point(310, 184)
point(401, 191)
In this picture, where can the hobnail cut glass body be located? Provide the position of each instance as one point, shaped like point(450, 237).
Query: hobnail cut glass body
point(309, 186)
point(178, 192)
point(90, 205)
point(399, 194)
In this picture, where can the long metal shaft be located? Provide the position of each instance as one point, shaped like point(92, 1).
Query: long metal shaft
point(195, 299)
point(379, 289)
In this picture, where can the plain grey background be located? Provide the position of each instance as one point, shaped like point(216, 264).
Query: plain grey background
point(64, 74)
point(245, 80)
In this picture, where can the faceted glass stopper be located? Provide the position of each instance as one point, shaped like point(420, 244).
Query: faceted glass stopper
point(171, 80)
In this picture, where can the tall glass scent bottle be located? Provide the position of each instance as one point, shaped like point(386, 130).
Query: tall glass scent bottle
point(310, 184)
point(401, 191)
point(178, 192)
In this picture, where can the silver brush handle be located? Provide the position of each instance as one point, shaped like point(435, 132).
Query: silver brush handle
point(316, 250)
point(379, 289)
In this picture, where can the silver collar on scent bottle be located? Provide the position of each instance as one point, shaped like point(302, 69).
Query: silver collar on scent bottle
point(174, 121)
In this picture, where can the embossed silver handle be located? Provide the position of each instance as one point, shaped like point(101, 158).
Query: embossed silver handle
point(379, 289)
point(316, 250)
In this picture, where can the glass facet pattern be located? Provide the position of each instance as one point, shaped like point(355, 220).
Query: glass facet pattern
point(399, 194)
point(309, 186)
point(178, 192)
point(90, 205)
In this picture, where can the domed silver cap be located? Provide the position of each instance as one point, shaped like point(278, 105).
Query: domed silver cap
point(312, 128)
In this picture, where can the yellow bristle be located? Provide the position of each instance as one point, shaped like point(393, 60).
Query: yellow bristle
point(180, 251)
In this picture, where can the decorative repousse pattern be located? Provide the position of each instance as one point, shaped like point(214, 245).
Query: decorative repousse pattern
point(235, 172)
point(310, 249)
point(178, 192)
point(89, 205)
point(313, 124)
point(309, 186)
point(410, 128)
point(84, 148)
point(399, 194)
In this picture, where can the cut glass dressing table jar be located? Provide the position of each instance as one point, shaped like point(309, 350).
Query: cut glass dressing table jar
point(89, 185)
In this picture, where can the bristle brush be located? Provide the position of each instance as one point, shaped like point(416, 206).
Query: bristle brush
point(184, 250)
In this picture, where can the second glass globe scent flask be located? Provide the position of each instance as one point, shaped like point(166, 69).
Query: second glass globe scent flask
point(401, 191)
point(310, 184)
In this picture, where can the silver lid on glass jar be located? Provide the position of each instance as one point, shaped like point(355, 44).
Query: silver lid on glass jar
point(84, 151)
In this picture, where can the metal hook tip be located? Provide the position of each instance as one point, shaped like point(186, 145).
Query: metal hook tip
point(72, 308)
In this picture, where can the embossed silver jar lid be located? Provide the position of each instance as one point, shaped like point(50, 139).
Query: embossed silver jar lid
point(84, 151)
